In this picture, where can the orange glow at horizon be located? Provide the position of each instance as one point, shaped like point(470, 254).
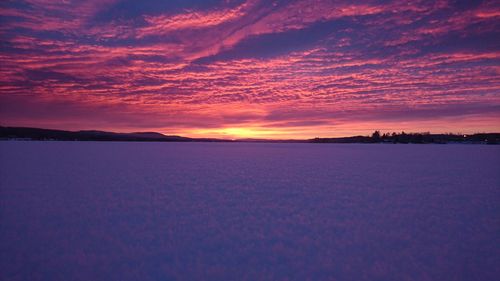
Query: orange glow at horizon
point(247, 131)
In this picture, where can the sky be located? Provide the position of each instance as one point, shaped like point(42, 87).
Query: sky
point(251, 68)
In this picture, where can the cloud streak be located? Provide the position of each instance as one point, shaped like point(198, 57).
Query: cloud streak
point(277, 68)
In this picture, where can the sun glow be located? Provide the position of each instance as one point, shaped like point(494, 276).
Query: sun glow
point(238, 133)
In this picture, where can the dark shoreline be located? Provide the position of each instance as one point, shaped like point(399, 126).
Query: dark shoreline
point(38, 134)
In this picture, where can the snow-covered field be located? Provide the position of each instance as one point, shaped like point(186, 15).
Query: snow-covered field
point(248, 211)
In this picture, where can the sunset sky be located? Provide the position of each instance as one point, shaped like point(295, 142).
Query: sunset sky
point(251, 68)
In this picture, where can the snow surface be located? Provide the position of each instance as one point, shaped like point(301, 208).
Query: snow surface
point(248, 211)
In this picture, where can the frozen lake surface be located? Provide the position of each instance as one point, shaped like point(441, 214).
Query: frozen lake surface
point(248, 211)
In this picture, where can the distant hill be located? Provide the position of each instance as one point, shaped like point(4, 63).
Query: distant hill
point(355, 139)
point(48, 134)
point(24, 133)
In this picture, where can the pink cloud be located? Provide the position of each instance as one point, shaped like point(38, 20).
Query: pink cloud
point(330, 84)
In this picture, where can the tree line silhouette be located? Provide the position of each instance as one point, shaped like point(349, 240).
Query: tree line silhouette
point(426, 137)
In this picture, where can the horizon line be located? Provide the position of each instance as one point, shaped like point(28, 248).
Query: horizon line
point(382, 132)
